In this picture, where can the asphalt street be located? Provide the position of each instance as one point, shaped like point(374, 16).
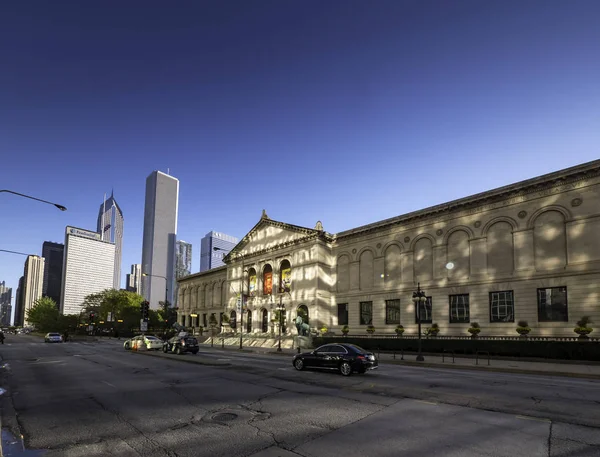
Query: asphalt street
point(95, 399)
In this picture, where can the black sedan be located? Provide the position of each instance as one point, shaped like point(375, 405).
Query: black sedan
point(346, 358)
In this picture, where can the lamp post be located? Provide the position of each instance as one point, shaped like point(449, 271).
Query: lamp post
point(60, 207)
point(281, 311)
point(166, 284)
point(418, 298)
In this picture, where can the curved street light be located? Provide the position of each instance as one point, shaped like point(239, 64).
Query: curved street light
point(60, 207)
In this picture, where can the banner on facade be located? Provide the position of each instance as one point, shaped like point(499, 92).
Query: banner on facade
point(268, 283)
point(286, 279)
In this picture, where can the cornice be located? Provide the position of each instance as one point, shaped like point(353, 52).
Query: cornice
point(544, 185)
point(322, 236)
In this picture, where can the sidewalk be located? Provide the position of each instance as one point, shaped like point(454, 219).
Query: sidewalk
point(568, 368)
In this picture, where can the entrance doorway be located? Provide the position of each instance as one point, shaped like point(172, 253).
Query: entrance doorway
point(265, 321)
point(249, 322)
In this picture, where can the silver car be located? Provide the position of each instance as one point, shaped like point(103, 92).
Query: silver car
point(53, 338)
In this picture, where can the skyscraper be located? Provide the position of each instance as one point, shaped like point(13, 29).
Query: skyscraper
point(19, 312)
point(160, 231)
point(88, 268)
point(134, 279)
point(5, 306)
point(33, 282)
point(110, 227)
point(53, 265)
point(211, 258)
point(183, 264)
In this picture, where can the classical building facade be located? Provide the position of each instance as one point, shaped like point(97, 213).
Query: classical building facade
point(528, 251)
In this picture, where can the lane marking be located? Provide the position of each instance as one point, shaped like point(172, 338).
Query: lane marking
point(427, 402)
point(109, 384)
point(530, 418)
point(223, 360)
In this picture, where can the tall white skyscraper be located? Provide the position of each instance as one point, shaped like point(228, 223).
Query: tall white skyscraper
point(110, 228)
point(134, 279)
point(88, 268)
point(33, 282)
point(160, 231)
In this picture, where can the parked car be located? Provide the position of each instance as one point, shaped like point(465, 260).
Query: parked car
point(346, 358)
point(53, 338)
point(180, 344)
point(151, 342)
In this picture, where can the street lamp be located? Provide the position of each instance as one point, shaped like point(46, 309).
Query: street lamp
point(418, 298)
point(281, 311)
point(60, 207)
point(166, 285)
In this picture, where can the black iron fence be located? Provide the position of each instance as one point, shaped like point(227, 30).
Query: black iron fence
point(566, 348)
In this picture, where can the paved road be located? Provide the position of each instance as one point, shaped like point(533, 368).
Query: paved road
point(97, 400)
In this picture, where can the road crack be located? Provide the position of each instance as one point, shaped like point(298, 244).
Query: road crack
point(148, 439)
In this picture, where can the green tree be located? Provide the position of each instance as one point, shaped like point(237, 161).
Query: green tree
point(44, 315)
point(167, 314)
point(121, 304)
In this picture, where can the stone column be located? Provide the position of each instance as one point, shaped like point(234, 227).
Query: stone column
point(440, 259)
point(524, 255)
point(408, 270)
point(478, 250)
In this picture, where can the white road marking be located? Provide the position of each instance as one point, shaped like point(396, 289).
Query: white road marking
point(427, 402)
point(530, 418)
point(109, 384)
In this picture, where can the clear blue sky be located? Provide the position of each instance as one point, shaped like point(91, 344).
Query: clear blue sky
point(342, 111)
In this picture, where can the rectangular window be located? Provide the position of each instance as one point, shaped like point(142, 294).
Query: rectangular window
point(204, 321)
point(425, 309)
point(459, 309)
point(502, 306)
point(366, 312)
point(342, 313)
point(392, 311)
point(552, 304)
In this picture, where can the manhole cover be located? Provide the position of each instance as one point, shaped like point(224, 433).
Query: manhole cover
point(224, 417)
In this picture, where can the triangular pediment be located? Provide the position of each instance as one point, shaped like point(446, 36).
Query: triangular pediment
point(267, 235)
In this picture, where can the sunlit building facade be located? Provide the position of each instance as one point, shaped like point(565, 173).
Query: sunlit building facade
point(527, 251)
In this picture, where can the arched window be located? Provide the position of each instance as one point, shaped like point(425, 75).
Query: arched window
point(267, 280)
point(285, 276)
point(302, 311)
point(343, 273)
point(264, 321)
point(249, 321)
point(252, 282)
point(550, 241)
point(233, 319)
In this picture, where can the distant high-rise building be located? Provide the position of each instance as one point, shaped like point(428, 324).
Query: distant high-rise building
point(183, 259)
point(53, 265)
point(110, 227)
point(134, 279)
point(183, 264)
point(211, 258)
point(160, 231)
point(5, 304)
point(88, 268)
point(19, 311)
point(33, 282)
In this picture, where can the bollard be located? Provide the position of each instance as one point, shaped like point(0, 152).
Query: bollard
point(222, 343)
point(298, 349)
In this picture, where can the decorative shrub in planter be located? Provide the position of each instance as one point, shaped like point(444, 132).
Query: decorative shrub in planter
point(345, 330)
point(433, 330)
point(370, 329)
point(399, 330)
point(583, 328)
point(523, 328)
point(474, 329)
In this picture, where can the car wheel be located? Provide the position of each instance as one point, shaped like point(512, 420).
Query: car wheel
point(179, 351)
point(345, 369)
point(299, 364)
point(127, 346)
point(195, 352)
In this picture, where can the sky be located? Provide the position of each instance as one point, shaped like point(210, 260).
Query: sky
point(343, 111)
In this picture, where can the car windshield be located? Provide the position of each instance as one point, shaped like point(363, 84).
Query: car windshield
point(153, 338)
point(357, 348)
point(53, 334)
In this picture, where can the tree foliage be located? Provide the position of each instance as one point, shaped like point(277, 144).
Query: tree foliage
point(45, 317)
point(119, 304)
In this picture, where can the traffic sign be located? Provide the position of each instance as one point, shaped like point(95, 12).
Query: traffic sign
point(143, 325)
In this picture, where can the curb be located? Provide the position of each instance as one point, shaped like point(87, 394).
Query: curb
point(495, 369)
point(195, 360)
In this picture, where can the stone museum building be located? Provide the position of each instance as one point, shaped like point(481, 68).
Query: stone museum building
point(528, 251)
